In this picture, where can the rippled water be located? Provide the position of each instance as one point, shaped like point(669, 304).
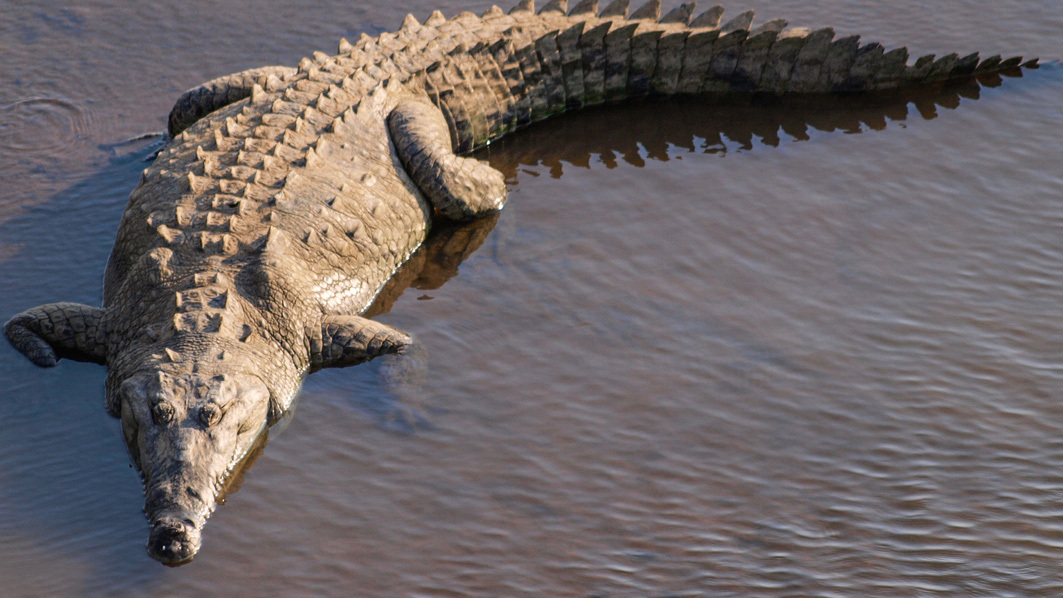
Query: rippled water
point(784, 350)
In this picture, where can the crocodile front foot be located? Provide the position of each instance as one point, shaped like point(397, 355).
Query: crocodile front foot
point(350, 340)
point(49, 332)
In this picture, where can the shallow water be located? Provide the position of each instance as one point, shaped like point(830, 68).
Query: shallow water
point(740, 351)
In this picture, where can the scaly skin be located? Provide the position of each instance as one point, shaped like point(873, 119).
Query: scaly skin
point(288, 197)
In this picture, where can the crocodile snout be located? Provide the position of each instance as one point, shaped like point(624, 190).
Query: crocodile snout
point(173, 541)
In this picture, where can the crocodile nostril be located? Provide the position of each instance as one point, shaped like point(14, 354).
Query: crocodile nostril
point(209, 415)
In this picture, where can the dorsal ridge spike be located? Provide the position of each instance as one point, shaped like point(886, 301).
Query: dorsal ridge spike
point(680, 14)
point(312, 159)
point(168, 234)
point(492, 13)
point(435, 19)
point(523, 6)
point(345, 46)
point(649, 11)
point(275, 240)
point(617, 8)
point(273, 82)
point(776, 25)
point(410, 24)
point(194, 184)
point(742, 21)
point(584, 7)
point(258, 95)
point(710, 19)
point(560, 6)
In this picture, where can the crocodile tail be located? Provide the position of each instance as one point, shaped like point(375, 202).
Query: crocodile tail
point(524, 66)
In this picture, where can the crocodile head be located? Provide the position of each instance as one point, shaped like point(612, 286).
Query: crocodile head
point(188, 432)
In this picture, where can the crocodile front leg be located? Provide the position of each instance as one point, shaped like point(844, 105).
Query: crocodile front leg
point(350, 340)
point(49, 332)
point(199, 101)
point(458, 187)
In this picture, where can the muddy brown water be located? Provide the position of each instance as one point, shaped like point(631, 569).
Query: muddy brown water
point(741, 351)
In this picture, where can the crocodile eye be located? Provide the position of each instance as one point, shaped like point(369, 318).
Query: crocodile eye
point(209, 415)
point(162, 413)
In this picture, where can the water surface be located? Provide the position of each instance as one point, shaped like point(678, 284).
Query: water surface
point(741, 351)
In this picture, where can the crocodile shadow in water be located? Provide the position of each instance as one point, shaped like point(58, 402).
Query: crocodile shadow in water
point(638, 129)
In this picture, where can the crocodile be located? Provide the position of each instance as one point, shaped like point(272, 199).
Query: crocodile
point(286, 197)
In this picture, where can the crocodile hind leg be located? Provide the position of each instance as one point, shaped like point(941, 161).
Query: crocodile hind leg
point(199, 101)
point(48, 332)
point(458, 187)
